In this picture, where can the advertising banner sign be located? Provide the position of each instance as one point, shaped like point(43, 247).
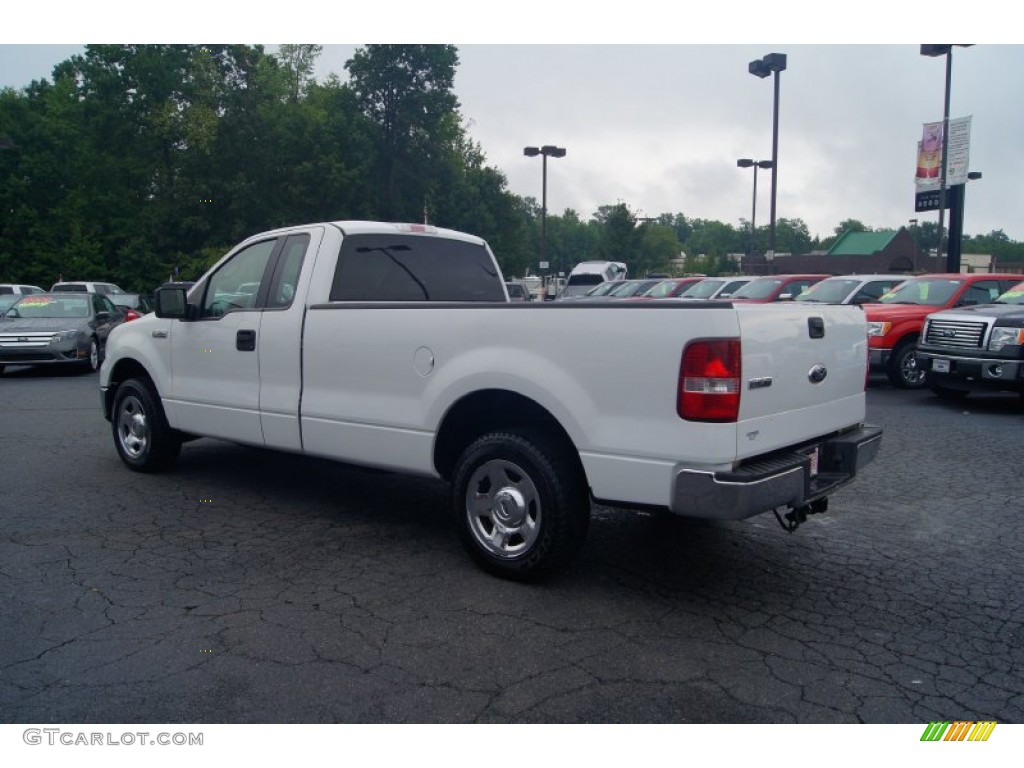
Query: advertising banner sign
point(929, 154)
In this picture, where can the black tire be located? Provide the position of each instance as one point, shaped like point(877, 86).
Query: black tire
point(521, 503)
point(903, 370)
point(947, 393)
point(142, 437)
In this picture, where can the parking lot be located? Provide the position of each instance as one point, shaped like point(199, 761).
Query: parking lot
point(248, 586)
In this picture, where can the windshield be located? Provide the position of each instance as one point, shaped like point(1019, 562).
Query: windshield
point(1013, 296)
point(763, 288)
point(702, 290)
point(829, 291)
point(631, 288)
point(663, 289)
point(41, 305)
point(929, 292)
point(604, 288)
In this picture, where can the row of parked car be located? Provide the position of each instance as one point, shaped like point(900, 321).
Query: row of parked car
point(955, 333)
point(67, 325)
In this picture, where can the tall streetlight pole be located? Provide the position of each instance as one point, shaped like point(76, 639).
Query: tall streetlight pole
point(548, 150)
point(772, 63)
point(952, 261)
point(917, 242)
point(957, 193)
point(746, 162)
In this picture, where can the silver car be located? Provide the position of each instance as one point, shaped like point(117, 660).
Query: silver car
point(57, 328)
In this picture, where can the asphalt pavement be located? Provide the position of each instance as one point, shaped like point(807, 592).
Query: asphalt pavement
point(248, 586)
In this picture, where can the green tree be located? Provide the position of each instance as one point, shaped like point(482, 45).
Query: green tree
point(406, 90)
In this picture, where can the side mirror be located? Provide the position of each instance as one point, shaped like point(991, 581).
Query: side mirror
point(172, 303)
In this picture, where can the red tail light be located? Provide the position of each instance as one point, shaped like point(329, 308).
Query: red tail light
point(709, 381)
point(131, 314)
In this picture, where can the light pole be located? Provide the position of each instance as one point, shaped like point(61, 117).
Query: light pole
point(548, 150)
point(957, 193)
point(952, 265)
point(746, 162)
point(772, 63)
point(917, 241)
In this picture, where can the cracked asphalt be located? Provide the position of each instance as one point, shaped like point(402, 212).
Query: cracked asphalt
point(254, 587)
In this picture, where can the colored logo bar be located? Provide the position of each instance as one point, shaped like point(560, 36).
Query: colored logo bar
point(959, 730)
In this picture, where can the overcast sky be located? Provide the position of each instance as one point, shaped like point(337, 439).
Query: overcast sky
point(659, 125)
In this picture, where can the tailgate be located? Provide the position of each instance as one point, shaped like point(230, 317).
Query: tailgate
point(803, 373)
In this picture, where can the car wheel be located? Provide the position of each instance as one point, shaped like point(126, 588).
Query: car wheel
point(947, 393)
point(144, 440)
point(522, 503)
point(92, 363)
point(903, 371)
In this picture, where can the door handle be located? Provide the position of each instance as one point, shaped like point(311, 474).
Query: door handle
point(245, 341)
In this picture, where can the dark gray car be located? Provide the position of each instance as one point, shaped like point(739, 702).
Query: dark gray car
point(58, 328)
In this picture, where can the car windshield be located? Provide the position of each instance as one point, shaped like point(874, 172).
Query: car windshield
point(662, 289)
point(604, 288)
point(516, 290)
point(40, 305)
point(702, 290)
point(929, 292)
point(7, 300)
point(764, 288)
point(632, 288)
point(1013, 296)
point(829, 291)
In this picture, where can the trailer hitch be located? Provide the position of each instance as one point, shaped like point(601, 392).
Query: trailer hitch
point(798, 515)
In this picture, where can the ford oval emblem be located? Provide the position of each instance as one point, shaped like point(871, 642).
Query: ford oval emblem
point(817, 374)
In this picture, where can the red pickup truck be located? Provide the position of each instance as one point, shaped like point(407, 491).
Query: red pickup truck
point(895, 322)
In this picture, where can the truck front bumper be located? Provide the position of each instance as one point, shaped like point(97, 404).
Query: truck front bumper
point(972, 372)
point(878, 358)
point(785, 479)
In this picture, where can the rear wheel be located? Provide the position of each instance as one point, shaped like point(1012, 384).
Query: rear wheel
point(903, 370)
point(521, 503)
point(92, 363)
point(144, 440)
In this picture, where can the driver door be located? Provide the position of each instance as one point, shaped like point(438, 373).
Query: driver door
point(215, 373)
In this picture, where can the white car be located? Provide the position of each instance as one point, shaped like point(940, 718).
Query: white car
point(851, 289)
point(80, 286)
point(19, 289)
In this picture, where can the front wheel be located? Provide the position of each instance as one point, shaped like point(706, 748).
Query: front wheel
point(144, 440)
point(903, 370)
point(522, 504)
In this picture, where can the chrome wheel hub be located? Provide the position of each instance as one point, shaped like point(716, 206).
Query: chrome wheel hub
point(503, 508)
point(132, 427)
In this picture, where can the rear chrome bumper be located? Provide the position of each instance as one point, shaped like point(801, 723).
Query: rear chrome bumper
point(784, 479)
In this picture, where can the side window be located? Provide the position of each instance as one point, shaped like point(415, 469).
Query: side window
point(414, 268)
point(286, 273)
point(237, 283)
point(795, 289)
point(108, 306)
point(982, 292)
point(871, 292)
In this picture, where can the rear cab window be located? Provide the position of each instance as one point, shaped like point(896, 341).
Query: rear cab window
point(401, 268)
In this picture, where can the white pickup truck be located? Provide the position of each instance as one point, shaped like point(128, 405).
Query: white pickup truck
point(394, 346)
